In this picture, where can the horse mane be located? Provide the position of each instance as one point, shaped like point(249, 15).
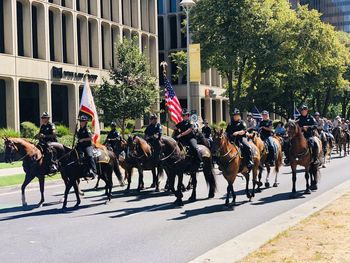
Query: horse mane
point(146, 148)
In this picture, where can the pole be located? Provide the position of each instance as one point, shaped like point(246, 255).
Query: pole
point(187, 10)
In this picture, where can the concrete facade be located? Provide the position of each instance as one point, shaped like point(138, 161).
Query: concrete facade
point(47, 46)
point(207, 96)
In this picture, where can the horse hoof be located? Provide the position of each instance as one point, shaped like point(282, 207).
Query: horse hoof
point(324, 166)
point(40, 204)
point(192, 199)
point(260, 184)
point(211, 195)
point(275, 185)
point(157, 190)
point(153, 185)
point(307, 192)
point(267, 185)
point(313, 187)
point(82, 193)
point(178, 203)
point(229, 207)
point(24, 204)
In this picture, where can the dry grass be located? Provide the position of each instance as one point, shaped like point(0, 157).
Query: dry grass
point(324, 237)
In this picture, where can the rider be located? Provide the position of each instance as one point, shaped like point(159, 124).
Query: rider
point(186, 135)
point(153, 132)
point(308, 124)
point(236, 131)
point(251, 122)
point(46, 135)
point(206, 130)
point(84, 136)
point(265, 129)
point(112, 136)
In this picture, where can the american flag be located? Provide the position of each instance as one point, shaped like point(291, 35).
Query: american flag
point(172, 102)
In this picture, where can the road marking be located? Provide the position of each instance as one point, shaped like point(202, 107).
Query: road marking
point(247, 242)
point(148, 210)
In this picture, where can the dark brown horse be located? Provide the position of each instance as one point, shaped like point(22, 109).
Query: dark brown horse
point(231, 164)
point(300, 154)
point(177, 163)
point(340, 137)
point(264, 158)
point(33, 163)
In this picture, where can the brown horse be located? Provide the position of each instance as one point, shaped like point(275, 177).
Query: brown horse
point(139, 155)
point(33, 163)
point(340, 139)
point(300, 154)
point(231, 164)
point(264, 158)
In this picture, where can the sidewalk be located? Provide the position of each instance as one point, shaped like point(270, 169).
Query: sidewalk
point(322, 237)
point(11, 171)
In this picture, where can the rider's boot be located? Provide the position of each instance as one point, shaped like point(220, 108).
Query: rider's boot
point(53, 169)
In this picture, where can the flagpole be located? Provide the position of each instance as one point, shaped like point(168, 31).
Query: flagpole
point(164, 65)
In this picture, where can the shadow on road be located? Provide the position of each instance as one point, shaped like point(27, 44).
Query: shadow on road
point(278, 197)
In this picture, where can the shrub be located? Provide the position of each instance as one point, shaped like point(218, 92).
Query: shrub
point(62, 130)
point(66, 140)
point(223, 125)
point(9, 133)
point(28, 129)
point(130, 124)
point(214, 126)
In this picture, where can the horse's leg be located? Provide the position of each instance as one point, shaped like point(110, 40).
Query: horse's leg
point(275, 184)
point(255, 182)
point(128, 172)
point(141, 183)
point(189, 185)
point(233, 195)
point(307, 176)
point(66, 192)
point(247, 192)
point(294, 179)
point(154, 178)
point(261, 169)
point(193, 197)
point(28, 178)
point(268, 171)
point(228, 192)
point(179, 194)
point(77, 194)
point(97, 183)
point(41, 186)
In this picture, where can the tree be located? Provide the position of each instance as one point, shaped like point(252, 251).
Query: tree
point(133, 90)
point(180, 60)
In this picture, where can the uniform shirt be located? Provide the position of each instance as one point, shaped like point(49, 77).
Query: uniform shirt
point(153, 129)
point(48, 129)
point(235, 126)
point(307, 121)
point(251, 124)
point(82, 134)
point(268, 124)
point(184, 126)
point(113, 134)
point(206, 131)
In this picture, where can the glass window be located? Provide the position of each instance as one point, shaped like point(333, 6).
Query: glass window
point(172, 6)
point(160, 33)
point(173, 32)
point(160, 7)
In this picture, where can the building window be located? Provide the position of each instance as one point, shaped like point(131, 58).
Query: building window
point(20, 40)
point(160, 7)
point(64, 38)
point(183, 33)
point(203, 109)
point(2, 103)
point(52, 36)
point(78, 5)
point(59, 98)
point(172, 6)
point(173, 32)
point(213, 110)
point(160, 33)
point(35, 31)
point(79, 41)
point(29, 102)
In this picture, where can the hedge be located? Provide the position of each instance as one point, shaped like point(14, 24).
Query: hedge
point(28, 129)
point(62, 130)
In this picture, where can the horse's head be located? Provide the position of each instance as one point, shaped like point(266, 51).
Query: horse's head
point(10, 150)
point(218, 137)
point(292, 128)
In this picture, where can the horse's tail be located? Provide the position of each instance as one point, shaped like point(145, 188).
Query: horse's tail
point(117, 171)
point(315, 171)
point(209, 174)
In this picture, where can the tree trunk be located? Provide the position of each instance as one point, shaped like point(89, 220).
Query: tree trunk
point(240, 80)
point(229, 76)
point(123, 128)
point(327, 101)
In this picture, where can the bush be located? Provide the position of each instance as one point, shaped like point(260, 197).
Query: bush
point(66, 140)
point(28, 129)
point(223, 125)
point(214, 126)
point(130, 124)
point(62, 130)
point(9, 133)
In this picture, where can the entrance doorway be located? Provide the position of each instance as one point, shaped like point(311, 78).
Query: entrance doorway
point(29, 102)
point(59, 99)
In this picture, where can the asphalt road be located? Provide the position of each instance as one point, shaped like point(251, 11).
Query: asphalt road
point(141, 227)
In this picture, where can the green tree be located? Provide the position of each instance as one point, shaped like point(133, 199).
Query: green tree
point(131, 91)
point(180, 60)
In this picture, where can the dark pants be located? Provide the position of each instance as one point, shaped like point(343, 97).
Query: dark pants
point(192, 143)
point(49, 156)
point(314, 148)
point(89, 156)
point(243, 144)
point(270, 147)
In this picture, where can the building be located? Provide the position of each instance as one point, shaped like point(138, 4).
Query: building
point(46, 46)
point(334, 12)
point(207, 96)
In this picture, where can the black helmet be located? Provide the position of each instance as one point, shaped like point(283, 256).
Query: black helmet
point(185, 112)
point(304, 107)
point(250, 114)
point(236, 112)
point(265, 112)
point(317, 113)
point(83, 118)
point(113, 124)
point(153, 117)
point(45, 115)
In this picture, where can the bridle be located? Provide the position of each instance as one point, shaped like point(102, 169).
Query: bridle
point(228, 152)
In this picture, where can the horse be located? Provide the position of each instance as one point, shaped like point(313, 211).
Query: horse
point(140, 155)
point(340, 140)
point(300, 154)
point(176, 162)
point(231, 164)
point(33, 163)
point(74, 168)
point(327, 146)
point(264, 158)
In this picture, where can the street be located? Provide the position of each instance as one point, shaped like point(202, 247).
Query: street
point(142, 227)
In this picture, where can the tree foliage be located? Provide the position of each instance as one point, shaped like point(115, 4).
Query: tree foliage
point(131, 90)
point(271, 55)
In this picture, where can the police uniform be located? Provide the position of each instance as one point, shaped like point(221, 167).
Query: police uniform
point(111, 138)
point(153, 129)
point(86, 146)
point(206, 130)
point(240, 140)
point(266, 136)
point(48, 129)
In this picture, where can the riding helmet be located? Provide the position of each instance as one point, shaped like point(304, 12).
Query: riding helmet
point(83, 118)
point(153, 117)
point(113, 124)
point(236, 112)
point(317, 113)
point(265, 112)
point(45, 115)
point(304, 107)
point(185, 112)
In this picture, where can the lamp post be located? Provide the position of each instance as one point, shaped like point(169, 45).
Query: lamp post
point(187, 5)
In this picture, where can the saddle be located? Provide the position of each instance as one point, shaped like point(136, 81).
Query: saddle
point(100, 155)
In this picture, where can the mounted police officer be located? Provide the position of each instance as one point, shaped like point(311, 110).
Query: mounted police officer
point(265, 128)
point(112, 136)
point(308, 124)
point(47, 134)
point(251, 122)
point(84, 136)
point(153, 133)
point(236, 131)
point(185, 133)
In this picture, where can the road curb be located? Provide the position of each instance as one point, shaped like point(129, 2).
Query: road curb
point(246, 243)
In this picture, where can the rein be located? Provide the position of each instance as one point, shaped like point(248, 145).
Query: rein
point(165, 158)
